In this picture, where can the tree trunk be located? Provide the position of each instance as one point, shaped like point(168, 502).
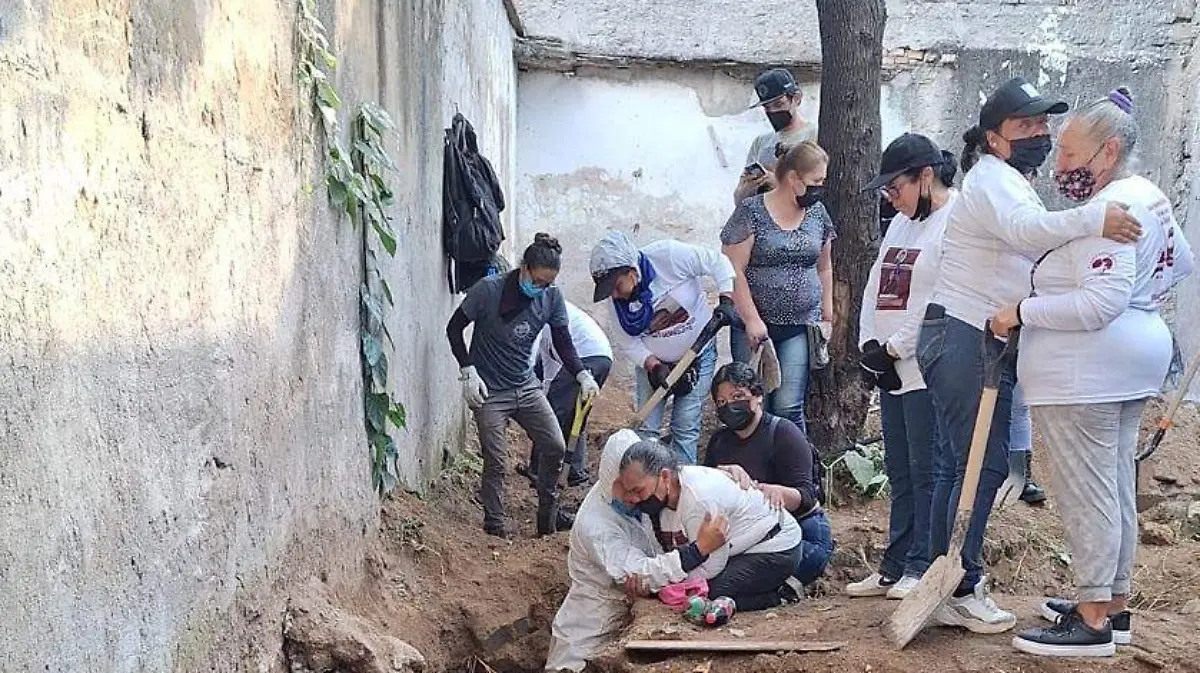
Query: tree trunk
point(849, 130)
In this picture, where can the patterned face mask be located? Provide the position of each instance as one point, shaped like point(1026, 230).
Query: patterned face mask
point(1077, 184)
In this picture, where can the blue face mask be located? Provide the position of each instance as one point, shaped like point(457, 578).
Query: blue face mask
point(625, 510)
point(530, 290)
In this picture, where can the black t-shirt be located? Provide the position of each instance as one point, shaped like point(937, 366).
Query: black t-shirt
point(776, 453)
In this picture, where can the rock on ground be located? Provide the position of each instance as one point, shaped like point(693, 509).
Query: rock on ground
point(319, 637)
point(1157, 533)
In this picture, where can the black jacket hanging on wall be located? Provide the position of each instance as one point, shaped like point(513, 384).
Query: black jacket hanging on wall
point(471, 205)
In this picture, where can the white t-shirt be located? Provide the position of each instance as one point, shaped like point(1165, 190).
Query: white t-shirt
point(1093, 333)
point(587, 336)
point(707, 490)
point(899, 287)
point(997, 228)
point(681, 307)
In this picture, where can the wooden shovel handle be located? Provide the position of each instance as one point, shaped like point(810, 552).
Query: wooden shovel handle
point(661, 393)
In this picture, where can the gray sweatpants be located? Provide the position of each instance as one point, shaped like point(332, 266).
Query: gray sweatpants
point(1091, 448)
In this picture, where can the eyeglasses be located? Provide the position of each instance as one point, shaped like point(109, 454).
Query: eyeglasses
point(891, 191)
point(737, 396)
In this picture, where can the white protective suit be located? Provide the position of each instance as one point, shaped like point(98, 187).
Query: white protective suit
point(606, 547)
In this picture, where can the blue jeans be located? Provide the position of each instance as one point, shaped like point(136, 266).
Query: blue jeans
point(687, 411)
point(817, 547)
point(789, 399)
point(950, 354)
point(1021, 427)
point(909, 436)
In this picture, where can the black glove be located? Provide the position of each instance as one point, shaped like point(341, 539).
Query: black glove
point(687, 383)
point(879, 367)
point(876, 358)
point(725, 313)
point(658, 375)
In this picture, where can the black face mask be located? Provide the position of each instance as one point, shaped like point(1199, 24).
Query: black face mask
point(736, 415)
point(813, 194)
point(779, 119)
point(653, 505)
point(924, 205)
point(1028, 154)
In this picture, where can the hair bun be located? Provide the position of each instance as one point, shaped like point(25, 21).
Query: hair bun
point(1122, 98)
point(546, 240)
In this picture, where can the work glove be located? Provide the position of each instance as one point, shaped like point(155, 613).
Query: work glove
point(876, 358)
point(474, 389)
point(658, 375)
point(725, 313)
point(879, 366)
point(588, 387)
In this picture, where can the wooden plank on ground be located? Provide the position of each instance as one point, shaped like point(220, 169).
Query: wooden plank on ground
point(732, 646)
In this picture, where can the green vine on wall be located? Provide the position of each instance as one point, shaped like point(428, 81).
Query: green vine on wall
point(355, 183)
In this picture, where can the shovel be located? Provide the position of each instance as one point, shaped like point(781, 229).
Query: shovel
point(1167, 420)
point(706, 334)
point(946, 572)
point(582, 409)
point(765, 362)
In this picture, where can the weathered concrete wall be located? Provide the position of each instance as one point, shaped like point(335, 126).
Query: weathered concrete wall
point(182, 435)
point(786, 30)
point(1187, 162)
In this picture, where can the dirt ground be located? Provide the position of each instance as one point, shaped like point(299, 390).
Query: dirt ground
point(469, 602)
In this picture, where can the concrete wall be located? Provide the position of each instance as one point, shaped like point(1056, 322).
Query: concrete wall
point(785, 30)
point(183, 435)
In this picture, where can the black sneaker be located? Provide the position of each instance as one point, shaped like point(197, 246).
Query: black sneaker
point(554, 520)
point(1054, 609)
point(1032, 494)
point(1070, 637)
point(498, 530)
point(579, 479)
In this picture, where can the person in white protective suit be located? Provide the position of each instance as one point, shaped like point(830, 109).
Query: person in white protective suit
point(613, 555)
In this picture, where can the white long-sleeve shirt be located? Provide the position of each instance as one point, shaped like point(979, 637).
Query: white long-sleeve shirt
point(1093, 333)
point(996, 230)
point(899, 286)
point(587, 336)
point(680, 304)
point(704, 490)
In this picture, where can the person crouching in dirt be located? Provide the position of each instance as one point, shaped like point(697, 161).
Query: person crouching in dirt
point(997, 226)
point(613, 555)
point(659, 302)
point(498, 382)
point(771, 454)
point(564, 392)
point(1093, 350)
point(764, 546)
point(915, 177)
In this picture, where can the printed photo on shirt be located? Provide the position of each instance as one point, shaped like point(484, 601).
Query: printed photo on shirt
point(895, 278)
point(669, 319)
point(669, 531)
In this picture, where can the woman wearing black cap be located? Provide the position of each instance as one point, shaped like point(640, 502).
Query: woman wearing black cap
point(915, 177)
point(997, 226)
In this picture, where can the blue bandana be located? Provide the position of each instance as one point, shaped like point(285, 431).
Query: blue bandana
point(635, 322)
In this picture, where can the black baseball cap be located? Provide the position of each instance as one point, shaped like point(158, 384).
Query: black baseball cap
point(1017, 98)
point(772, 84)
point(909, 151)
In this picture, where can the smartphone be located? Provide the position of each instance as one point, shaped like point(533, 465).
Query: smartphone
point(754, 171)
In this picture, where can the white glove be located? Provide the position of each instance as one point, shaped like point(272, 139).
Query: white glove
point(474, 389)
point(587, 384)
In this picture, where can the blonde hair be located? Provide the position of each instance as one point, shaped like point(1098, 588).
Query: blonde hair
point(802, 158)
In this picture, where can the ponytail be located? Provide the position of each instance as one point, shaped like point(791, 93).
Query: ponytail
point(975, 140)
point(947, 170)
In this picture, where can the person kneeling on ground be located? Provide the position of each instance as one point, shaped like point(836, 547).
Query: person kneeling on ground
point(498, 382)
point(764, 545)
point(771, 454)
point(613, 554)
point(563, 390)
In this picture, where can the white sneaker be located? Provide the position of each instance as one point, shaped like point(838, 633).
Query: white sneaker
point(977, 612)
point(900, 589)
point(875, 585)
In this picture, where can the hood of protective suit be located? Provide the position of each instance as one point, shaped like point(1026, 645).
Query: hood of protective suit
point(610, 465)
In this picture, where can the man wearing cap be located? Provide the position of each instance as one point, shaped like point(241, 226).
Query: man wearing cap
point(780, 98)
point(661, 306)
point(997, 227)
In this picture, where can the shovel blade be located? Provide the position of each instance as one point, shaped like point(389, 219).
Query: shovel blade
point(914, 612)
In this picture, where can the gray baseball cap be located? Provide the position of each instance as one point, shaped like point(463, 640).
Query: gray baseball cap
point(612, 255)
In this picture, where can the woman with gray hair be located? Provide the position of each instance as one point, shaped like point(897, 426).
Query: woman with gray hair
point(762, 545)
point(1093, 350)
